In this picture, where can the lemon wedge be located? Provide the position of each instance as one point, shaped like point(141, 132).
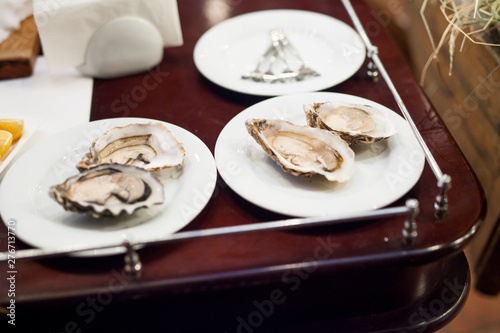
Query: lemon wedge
point(5, 141)
point(14, 126)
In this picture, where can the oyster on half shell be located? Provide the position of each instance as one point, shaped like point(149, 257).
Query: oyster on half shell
point(109, 190)
point(353, 122)
point(303, 150)
point(150, 146)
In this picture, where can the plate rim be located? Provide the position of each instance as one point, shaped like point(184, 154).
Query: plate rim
point(31, 126)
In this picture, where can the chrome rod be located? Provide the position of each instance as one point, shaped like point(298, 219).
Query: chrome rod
point(286, 224)
point(410, 225)
point(373, 55)
point(443, 180)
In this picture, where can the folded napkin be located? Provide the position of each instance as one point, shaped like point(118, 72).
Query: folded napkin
point(12, 12)
point(47, 103)
point(66, 27)
point(57, 102)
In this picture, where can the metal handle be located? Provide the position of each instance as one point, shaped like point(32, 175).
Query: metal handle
point(377, 67)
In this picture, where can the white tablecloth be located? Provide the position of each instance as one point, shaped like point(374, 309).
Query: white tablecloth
point(47, 103)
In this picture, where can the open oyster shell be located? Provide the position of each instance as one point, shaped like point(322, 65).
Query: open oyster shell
point(353, 122)
point(150, 146)
point(303, 150)
point(109, 190)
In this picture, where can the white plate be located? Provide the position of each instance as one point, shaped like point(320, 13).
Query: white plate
point(43, 223)
point(384, 171)
point(30, 126)
point(233, 47)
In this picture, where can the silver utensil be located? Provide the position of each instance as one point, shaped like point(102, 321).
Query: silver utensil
point(257, 74)
point(278, 55)
point(304, 71)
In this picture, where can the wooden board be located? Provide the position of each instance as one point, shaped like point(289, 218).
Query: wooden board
point(19, 51)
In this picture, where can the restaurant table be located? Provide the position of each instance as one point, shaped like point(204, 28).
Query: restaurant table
point(351, 277)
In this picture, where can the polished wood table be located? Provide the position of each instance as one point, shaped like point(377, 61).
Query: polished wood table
point(351, 277)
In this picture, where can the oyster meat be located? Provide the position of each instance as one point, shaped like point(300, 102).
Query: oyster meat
point(109, 190)
point(303, 150)
point(353, 122)
point(150, 146)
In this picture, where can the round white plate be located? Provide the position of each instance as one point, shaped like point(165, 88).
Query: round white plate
point(42, 222)
point(384, 171)
point(233, 47)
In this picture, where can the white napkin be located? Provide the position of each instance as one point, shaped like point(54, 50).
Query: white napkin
point(66, 26)
point(47, 103)
point(12, 12)
point(54, 102)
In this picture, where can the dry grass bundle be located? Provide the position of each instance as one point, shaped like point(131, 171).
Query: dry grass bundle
point(466, 18)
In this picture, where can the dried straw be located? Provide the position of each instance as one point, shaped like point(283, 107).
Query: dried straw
point(467, 18)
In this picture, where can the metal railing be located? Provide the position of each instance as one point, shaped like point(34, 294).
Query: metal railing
point(374, 68)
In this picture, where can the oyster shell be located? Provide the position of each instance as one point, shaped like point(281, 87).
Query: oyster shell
point(353, 122)
point(303, 150)
point(150, 146)
point(109, 190)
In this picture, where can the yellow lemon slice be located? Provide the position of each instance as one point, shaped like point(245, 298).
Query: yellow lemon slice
point(14, 126)
point(5, 142)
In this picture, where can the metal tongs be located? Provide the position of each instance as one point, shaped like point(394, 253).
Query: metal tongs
point(275, 64)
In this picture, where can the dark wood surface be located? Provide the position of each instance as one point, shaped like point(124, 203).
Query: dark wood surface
point(317, 306)
point(369, 254)
point(488, 270)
